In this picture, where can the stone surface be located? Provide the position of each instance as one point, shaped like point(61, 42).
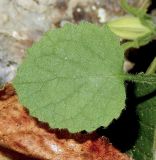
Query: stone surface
point(24, 21)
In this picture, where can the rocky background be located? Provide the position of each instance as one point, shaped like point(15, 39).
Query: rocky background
point(23, 22)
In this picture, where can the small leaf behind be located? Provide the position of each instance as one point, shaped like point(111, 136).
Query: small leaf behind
point(144, 147)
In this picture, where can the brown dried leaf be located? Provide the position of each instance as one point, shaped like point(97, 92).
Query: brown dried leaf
point(24, 134)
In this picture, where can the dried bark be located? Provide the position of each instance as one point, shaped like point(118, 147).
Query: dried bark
point(24, 134)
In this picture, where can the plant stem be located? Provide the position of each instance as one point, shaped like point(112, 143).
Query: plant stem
point(141, 78)
point(138, 42)
point(152, 68)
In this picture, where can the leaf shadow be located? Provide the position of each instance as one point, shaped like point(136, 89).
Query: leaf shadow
point(124, 131)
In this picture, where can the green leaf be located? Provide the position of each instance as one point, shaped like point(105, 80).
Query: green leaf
point(144, 147)
point(72, 78)
point(154, 146)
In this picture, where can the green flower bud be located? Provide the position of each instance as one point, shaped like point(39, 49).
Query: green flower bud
point(128, 27)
